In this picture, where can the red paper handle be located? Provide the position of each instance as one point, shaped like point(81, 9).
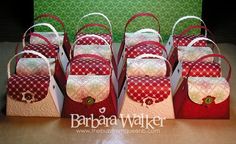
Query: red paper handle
point(143, 15)
point(188, 29)
point(93, 25)
point(212, 55)
point(150, 43)
point(93, 56)
point(56, 18)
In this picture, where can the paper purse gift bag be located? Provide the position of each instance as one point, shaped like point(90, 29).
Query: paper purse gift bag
point(49, 50)
point(176, 40)
point(63, 35)
point(188, 55)
point(89, 87)
point(147, 93)
point(203, 97)
point(133, 38)
point(145, 47)
point(104, 51)
point(182, 40)
point(41, 45)
point(106, 35)
point(35, 94)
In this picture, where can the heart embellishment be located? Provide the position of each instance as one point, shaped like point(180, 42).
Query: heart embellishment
point(102, 110)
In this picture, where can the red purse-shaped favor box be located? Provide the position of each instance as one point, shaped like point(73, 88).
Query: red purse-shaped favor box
point(89, 87)
point(33, 94)
point(131, 38)
point(196, 50)
point(203, 97)
point(147, 90)
point(206, 68)
point(50, 51)
point(145, 47)
point(94, 40)
point(100, 50)
point(182, 40)
point(63, 36)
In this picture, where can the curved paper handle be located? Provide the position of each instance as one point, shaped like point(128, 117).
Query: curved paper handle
point(205, 39)
point(159, 57)
point(188, 29)
point(212, 55)
point(148, 30)
point(99, 14)
point(143, 15)
point(93, 25)
point(42, 24)
point(150, 43)
point(184, 18)
point(54, 17)
point(86, 36)
point(27, 52)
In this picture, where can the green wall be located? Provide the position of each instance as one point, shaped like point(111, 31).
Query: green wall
point(119, 11)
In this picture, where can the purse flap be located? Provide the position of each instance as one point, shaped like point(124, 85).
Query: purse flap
point(202, 69)
point(143, 49)
point(205, 90)
point(135, 38)
point(186, 39)
point(44, 49)
point(48, 35)
point(94, 40)
point(89, 66)
point(148, 90)
point(101, 50)
point(194, 53)
point(146, 67)
point(34, 66)
point(28, 89)
point(80, 88)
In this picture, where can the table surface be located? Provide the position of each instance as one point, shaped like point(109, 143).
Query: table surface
point(58, 130)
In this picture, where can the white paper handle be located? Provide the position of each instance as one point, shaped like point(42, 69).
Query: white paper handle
point(188, 17)
point(148, 30)
point(100, 14)
point(42, 24)
point(156, 56)
point(28, 52)
point(205, 39)
point(87, 36)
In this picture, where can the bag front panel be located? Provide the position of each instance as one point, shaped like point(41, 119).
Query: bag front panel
point(204, 90)
point(79, 88)
point(148, 90)
point(202, 69)
point(185, 40)
point(89, 66)
point(34, 66)
point(146, 67)
point(144, 49)
point(132, 39)
point(194, 53)
point(28, 89)
point(101, 50)
point(44, 49)
point(48, 35)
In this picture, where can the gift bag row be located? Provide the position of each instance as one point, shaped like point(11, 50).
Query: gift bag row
point(55, 77)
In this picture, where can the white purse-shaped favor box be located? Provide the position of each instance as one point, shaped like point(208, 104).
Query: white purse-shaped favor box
point(33, 95)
